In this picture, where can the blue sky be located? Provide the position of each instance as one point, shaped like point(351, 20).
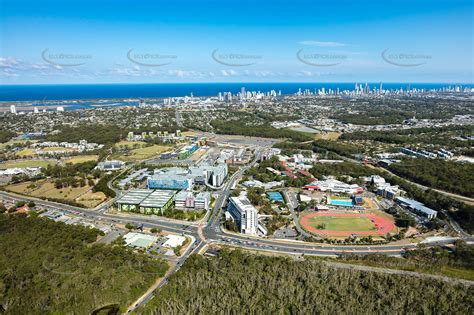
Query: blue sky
point(54, 42)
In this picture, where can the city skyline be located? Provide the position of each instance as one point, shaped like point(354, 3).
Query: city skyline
point(48, 42)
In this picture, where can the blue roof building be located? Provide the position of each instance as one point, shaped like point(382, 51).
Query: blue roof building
point(275, 196)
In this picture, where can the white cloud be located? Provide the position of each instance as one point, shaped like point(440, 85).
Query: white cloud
point(229, 73)
point(9, 62)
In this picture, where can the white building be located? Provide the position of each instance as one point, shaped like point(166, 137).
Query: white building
point(416, 207)
point(110, 165)
point(202, 201)
point(375, 179)
point(174, 241)
point(139, 240)
point(334, 186)
point(208, 174)
point(269, 153)
point(244, 214)
point(184, 199)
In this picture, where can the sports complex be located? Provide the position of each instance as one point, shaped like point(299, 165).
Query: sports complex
point(345, 224)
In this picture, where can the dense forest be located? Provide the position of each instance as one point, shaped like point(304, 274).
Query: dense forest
point(456, 262)
point(375, 117)
point(92, 133)
point(5, 135)
point(450, 176)
point(264, 130)
point(340, 169)
point(48, 267)
point(344, 149)
point(103, 187)
point(442, 136)
point(241, 283)
point(387, 111)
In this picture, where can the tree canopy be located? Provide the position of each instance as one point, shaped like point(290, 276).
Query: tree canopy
point(48, 267)
point(241, 283)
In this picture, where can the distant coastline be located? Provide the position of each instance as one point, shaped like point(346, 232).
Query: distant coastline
point(38, 93)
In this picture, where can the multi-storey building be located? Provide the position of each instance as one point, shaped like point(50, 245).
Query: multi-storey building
point(244, 214)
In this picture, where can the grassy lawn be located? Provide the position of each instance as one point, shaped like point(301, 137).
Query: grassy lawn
point(369, 204)
point(26, 152)
point(327, 136)
point(381, 213)
point(130, 144)
point(189, 133)
point(453, 272)
point(51, 149)
point(91, 199)
point(46, 189)
point(15, 141)
point(457, 272)
point(142, 153)
point(26, 163)
point(198, 154)
point(342, 223)
point(81, 159)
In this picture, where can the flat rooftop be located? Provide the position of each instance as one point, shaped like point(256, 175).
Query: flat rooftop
point(134, 197)
point(139, 239)
point(157, 199)
point(146, 197)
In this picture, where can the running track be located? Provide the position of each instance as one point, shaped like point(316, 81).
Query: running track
point(384, 226)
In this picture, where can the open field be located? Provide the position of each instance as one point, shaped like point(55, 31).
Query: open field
point(407, 265)
point(91, 199)
point(304, 129)
point(189, 133)
point(81, 159)
point(26, 152)
point(370, 204)
point(130, 144)
point(141, 153)
point(26, 163)
point(355, 224)
point(15, 141)
point(327, 136)
point(346, 224)
point(45, 189)
point(198, 154)
point(52, 149)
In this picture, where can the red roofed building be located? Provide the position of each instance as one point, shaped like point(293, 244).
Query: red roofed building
point(306, 173)
point(23, 209)
point(288, 170)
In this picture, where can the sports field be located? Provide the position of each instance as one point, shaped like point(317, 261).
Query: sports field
point(26, 163)
point(141, 153)
point(346, 224)
point(81, 159)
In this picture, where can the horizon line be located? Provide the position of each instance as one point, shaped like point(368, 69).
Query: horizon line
point(236, 82)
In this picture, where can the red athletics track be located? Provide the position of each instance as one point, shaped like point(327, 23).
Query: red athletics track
point(383, 225)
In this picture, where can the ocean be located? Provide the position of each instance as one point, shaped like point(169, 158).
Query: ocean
point(122, 91)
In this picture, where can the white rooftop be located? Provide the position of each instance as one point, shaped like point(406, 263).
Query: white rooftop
point(174, 241)
point(139, 239)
